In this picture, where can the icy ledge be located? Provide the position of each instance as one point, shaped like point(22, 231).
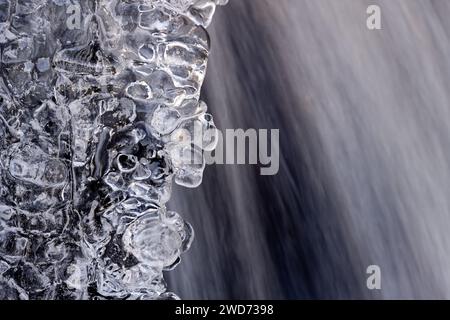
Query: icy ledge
point(98, 101)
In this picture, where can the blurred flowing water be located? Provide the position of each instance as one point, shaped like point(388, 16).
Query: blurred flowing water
point(364, 176)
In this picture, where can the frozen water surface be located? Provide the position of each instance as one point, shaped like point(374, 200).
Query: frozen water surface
point(91, 97)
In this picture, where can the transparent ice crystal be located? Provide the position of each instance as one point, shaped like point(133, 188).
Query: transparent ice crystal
point(93, 95)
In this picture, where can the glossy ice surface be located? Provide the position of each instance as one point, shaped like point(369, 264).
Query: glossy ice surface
point(94, 99)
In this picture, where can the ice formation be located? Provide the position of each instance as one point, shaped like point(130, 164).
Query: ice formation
point(93, 97)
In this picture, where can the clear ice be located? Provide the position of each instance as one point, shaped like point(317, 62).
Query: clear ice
point(93, 95)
